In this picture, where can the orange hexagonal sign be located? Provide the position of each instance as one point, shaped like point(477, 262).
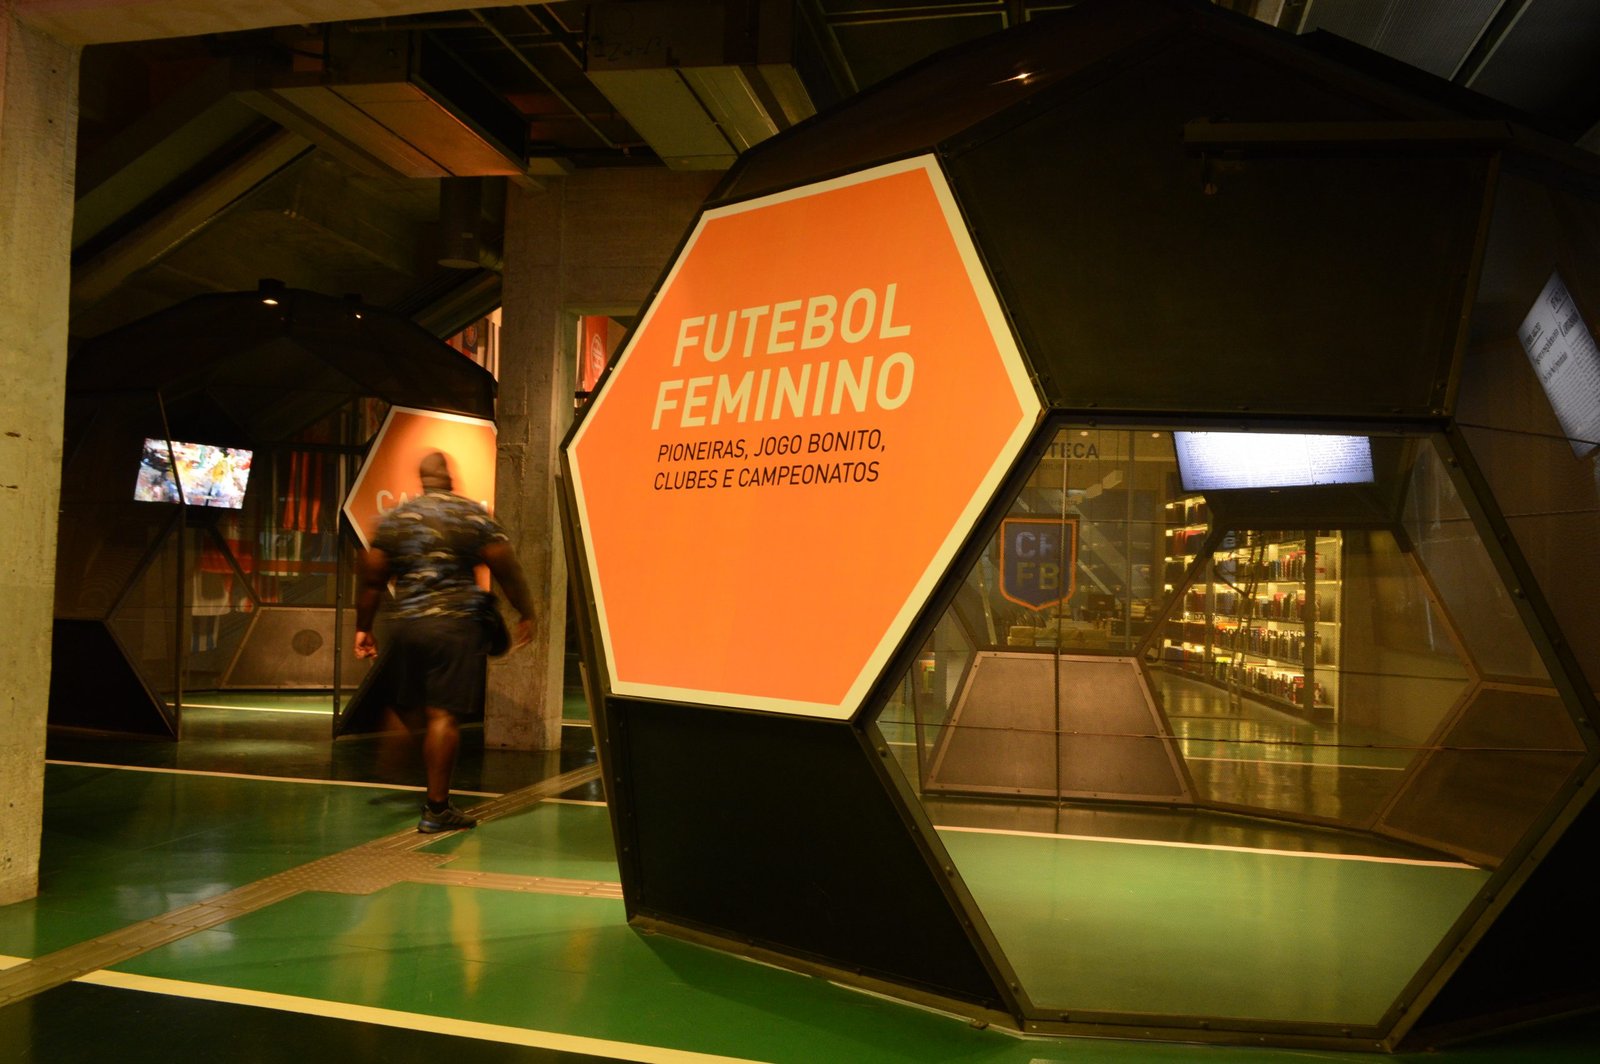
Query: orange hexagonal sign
point(798, 435)
point(388, 477)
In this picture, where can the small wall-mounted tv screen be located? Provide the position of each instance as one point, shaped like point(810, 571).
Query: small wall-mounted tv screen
point(1224, 461)
point(211, 476)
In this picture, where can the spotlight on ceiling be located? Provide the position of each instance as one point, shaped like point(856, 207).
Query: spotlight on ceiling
point(271, 290)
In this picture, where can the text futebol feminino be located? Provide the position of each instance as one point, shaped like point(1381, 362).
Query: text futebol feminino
point(861, 383)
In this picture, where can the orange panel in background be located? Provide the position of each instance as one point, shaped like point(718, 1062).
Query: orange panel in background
point(594, 349)
point(389, 475)
point(798, 435)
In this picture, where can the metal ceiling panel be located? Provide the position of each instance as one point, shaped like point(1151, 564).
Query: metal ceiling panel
point(513, 79)
point(661, 106)
point(407, 112)
point(339, 126)
point(1432, 35)
point(1546, 65)
point(396, 102)
point(698, 84)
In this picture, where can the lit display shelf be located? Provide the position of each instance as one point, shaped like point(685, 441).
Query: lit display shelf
point(1261, 614)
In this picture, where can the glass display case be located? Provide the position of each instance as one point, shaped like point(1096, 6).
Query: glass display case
point(1258, 671)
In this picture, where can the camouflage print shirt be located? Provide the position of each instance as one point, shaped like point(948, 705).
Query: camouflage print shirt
point(433, 544)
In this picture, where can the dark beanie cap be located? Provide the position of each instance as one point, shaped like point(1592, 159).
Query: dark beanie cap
point(435, 472)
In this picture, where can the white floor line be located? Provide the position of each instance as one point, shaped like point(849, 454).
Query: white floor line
point(407, 1021)
point(1209, 846)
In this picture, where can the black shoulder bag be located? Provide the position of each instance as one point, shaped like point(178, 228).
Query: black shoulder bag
point(496, 636)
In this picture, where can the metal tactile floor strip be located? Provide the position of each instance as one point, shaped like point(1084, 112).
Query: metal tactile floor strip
point(360, 871)
point(584, 888)
point(364, 869)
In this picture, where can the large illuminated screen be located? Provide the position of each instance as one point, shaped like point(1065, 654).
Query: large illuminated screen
point(1564, 355)
point(210, 475)
point(1219, 461)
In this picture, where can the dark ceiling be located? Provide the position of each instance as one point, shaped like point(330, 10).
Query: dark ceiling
point(359, 157)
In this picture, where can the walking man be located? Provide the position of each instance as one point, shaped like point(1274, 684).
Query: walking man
point(437, 652)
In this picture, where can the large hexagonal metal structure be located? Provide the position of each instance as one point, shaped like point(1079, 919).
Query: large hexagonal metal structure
point(280, 372)
point(1190, 222)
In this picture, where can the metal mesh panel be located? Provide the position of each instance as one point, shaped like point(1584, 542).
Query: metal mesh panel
point(1474, 596)
point(1494, 772)
point(1402, 672)
point(1114, 744)
point(1240, 754)
point(1002, 735)
point(1047, 726)
point(104, 535)
point(93, 685)
point(147, 622)
point(1542, 483)
point(1219, 291)
point(218, 606)
point(99, 549)
point(1551, 504)
point(290, 647)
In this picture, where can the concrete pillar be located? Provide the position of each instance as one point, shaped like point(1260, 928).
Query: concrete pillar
point(592, 243)
point(38, 132)
point(523, 707)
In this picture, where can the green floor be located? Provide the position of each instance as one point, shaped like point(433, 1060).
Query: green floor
point(1118, 927)
point(510, 971)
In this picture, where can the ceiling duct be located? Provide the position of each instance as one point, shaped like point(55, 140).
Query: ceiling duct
point(394, 103)
point(701, 82)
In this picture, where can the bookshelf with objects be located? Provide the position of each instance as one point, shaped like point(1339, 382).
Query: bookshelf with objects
point(1261, 617)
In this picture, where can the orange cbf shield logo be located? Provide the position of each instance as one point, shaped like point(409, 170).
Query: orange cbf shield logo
point(800, 432)
point(389, 475)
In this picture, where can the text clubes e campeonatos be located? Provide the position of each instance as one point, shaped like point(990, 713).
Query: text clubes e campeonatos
point(859, 382)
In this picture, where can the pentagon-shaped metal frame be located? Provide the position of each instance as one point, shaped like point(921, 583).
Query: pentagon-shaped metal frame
point(1105, 40)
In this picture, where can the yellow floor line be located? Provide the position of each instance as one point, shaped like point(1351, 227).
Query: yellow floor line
point(322, 712)
point(409, 1021)
point(373, 865)
point(1292, 764)
point(267, 779)
point(1209, 846)
point(1245, 760)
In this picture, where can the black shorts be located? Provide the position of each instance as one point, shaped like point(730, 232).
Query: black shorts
point(439, 662)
